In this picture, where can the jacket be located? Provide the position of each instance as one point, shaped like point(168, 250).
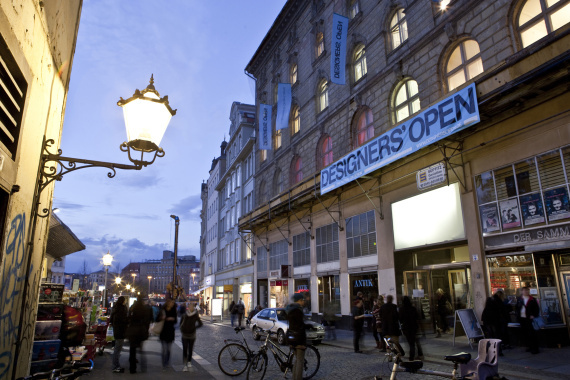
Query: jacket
point(409, 319)
point(296, 334)
point(167, 333)
point(531, 307)
point(140, 316)
point(189, 323)
point(390, 319)
point(120, 320)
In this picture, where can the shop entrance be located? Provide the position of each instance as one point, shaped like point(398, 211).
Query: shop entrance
point(565, 280)
point(437, 291)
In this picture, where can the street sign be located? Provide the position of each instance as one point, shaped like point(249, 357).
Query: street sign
point(431, 176)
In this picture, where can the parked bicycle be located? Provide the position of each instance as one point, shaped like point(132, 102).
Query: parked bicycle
point(285, 361)
point(69, 371)
point(234, 357)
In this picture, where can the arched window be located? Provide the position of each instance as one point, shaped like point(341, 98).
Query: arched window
point(262, 196)
point(464, 64)
point(278, 182)
point(325, 152)
point(297, 171)
point(398, 28)
point(323, 95)
point(277, 139)
point(293, 74)
point(320, 44)
point(364, 128)
point(359, 63)
point(538, 18)
point(406, 100)
point(353, 9)
point(263, 155)
point(295, 120)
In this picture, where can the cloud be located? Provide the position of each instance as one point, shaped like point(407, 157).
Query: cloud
point(188, 208)
point(67, 205)
point(141, 181)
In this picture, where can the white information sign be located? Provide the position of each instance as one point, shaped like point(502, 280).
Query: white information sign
point(75, 287)
point(431, 176)
point(217, 306)
point(418, 293)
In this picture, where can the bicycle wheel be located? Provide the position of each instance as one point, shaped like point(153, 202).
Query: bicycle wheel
point(257, 367)
point(312, 362)
point(233, 359)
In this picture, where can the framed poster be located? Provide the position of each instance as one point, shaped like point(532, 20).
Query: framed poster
point(532, 209)
point(510, 215)
point(489, 218)
point(557, 205)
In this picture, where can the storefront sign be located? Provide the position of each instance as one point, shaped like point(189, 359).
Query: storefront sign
point(539, 235)
point(428, 177)
point(245, 289)
point(208, 281)
point(363, 283)
point(439, 121)
point(228, 288)
point(302, 288)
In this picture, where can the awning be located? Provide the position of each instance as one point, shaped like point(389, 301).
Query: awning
point(201, 289)
point(61, 240)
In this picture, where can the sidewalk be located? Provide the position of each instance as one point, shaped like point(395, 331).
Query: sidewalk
point(550, 363)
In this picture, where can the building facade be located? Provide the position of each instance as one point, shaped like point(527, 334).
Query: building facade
point(161, 273)
point(441, 163)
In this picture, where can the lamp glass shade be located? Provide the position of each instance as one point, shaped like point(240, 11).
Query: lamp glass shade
point(146, 119)
point(107, 259)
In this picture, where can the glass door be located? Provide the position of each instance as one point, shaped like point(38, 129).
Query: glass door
point(459, 288)
point(417, 286)
point(565, 279)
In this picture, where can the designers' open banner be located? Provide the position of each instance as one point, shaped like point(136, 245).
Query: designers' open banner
point(283, 105)
point(338, 49)
point(264, 123)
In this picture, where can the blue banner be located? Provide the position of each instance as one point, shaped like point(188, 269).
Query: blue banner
point(264, 123)
point(338, 49)
point(283, 105)
point(441, 120)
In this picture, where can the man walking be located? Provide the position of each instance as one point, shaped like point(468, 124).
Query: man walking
point(240, 309)
point(140, 316)
point(296, 335)
point(357, 323)
point(119, 321)
point(390, 320)
point(527, 309)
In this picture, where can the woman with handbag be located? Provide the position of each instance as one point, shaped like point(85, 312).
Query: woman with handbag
point(188, 325)
point(527, 310)
point(167, 333)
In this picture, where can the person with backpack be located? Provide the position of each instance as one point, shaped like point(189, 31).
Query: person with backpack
point(119, 320)
point(296, 334)
point(240, 310)
point(188, 325)
point(233, 312)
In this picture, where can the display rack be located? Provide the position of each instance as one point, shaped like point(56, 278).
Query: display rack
point(49, 319)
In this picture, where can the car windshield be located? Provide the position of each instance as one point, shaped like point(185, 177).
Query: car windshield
point(281, 315)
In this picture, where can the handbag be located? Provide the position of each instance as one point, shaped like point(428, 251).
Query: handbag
point(156, 327)
point(538, 323)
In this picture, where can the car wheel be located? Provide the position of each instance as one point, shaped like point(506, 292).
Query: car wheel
point(281, 337)
point(255, 333)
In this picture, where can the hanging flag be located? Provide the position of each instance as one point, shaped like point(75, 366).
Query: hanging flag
point(338, 49)
point(283, 105)
point(264, 126)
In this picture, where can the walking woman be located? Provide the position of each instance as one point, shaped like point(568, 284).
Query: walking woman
point(188, 325)
point(167, 333)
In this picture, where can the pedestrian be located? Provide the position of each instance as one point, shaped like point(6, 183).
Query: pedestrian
point(390, 320)
point(168, 314)
point(119, 320)
point(329, 317)
point(155, 310)
point(377, 326)
point(491, 318)
point(188, 324)
point(357, 323)
point(527, 309)
point(233, 312)
point(296, 335)
point(444, 308)
point(240, 311)
point(140, 316)
point(409, 318)
point(504, 319)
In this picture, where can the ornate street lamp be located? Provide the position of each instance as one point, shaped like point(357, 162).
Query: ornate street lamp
point(107, 261)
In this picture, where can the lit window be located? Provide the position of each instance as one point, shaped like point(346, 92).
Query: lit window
point(364, 127)
point(398, 28)
point(359, 63)
point(295, 120)
point(275, 93)
point(277, 139)
point(326, 152)
point(406, 100)
point(293, 74)
point(320, 44)
point(323, 95)
point(297, 171)
point(541, 17)
point(353, 9)
point(263, 155)
point(278, 183)
point(464, 64)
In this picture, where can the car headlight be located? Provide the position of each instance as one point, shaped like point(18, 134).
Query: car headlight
point(321, 328)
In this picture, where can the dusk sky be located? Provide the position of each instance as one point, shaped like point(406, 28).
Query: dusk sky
point(197, 52)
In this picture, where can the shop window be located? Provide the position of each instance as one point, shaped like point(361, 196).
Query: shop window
point(551, 171)
point(538, 18)
point(327, 243)
point(367, 284)
point(261, 259)
point(329, 294)
point(303, 286)
point(278, 254)
point(398, 28)
point(279, 294)
point(361, 235)
point(464, 64)
point(359, 63)
point(302, 249)
point(406, 100)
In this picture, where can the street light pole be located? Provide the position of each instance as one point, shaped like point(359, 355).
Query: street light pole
point(149, 278)
point(107, 260)
point(175, 279)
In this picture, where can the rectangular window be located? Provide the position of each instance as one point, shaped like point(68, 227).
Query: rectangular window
point(327, 243)
point(248, 245)
point(361, 235)
point(302, 249)
point(278, 253)
point(329, 294)
point(261, 259)
point(237, 244)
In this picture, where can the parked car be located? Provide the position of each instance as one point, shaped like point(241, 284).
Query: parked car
point(265, 318)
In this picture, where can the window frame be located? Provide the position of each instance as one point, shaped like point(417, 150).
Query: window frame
point(295, 120)
point(464, 63)
point(323, 95)
point(359, 62)
point(353, 9)
point(407, 103)
point(296, 170)
point(357, 131)
point(322, 153)
point(278, 139)
point(278, 185)
point(320, 44)
point(544, 15)
point(293, 74)
point(398, 26)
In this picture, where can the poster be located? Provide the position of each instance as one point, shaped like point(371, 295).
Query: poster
point(510, 215)
point(557, 205)
point(489, 219)
point(532, 209)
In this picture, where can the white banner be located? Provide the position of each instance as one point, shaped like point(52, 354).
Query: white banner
point(338, 49)
point(264, 126)
point(283, 105)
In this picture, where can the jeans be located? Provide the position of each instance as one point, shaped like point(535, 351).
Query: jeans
point(414, 342)
point(356, 337)
point(165, 352)
point(299, 363)
point(117, 352)
point(187, 346)
point(240, 318)
point(530, 333)
point(233, 318)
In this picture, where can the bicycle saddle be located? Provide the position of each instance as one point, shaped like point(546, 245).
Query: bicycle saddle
point(412, 366)
point(461, 358)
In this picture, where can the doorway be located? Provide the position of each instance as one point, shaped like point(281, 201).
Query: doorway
point(565, 281)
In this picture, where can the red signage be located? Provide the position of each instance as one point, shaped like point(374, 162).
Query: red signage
point(271, 283)
point(285, 282)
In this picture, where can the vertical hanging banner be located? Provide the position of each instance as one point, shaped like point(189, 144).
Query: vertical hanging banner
point(264, 123)
point(338, 48)
point(283, 105)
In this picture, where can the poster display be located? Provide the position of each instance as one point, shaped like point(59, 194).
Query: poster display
point(510, 214)
point(557, 205)
point(532, 209)
point(489, 219)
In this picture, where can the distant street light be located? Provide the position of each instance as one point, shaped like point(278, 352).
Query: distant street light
point(149, 278)
point(134, 277)
point(107, 261)
point(129, 289)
